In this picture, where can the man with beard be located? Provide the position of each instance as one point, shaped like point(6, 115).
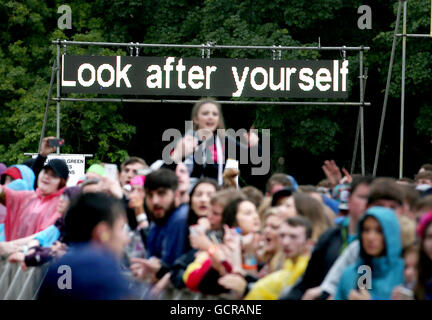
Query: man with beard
point(167, 233)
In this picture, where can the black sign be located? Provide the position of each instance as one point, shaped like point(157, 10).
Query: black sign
point(171, 76)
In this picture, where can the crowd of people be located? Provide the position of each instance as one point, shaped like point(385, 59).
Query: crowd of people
point(190, 225)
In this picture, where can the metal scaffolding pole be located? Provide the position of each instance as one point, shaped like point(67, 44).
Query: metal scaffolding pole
point(363, 169)
point(289, 103)
point(353, 161)
point(203, 46)
point(58, 94)
point(389, 74)
point(53, 71)
point(402, 124)
point(414, 35)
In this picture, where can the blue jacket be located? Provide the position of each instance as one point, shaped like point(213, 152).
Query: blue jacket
point(387, 270)
point(168, 241)
point(94, 273)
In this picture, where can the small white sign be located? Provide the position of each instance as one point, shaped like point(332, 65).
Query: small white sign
point(76, 165)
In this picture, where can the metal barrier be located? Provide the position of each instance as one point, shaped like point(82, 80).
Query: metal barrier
point(17, 284)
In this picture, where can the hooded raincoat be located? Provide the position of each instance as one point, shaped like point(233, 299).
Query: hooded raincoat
point(387, 270)
point(29, 212)
point(25, 183)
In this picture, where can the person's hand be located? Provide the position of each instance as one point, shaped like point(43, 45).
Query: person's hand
point(112, 187)
point(8, 248)
point(332, 172)
point(135, 200)
point(229, 178)
point(251, 137)
point(159, 287)
point(204, 223)
point(58, 248)
point(251, 242)
point(16, 257)
point(347, 178)
point(361, 294)
point(234, 282)
point(217, 257)
point(232, 247)
point(199, 240)
point(399, 293)
point(141, 268)
point(185, 147)
point(312, 293)
point(45, 147)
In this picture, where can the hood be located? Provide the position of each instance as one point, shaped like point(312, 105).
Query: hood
point(391, 231)
point(27, 181)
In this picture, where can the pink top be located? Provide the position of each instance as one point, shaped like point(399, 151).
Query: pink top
point(2, 213)
point(28, 212)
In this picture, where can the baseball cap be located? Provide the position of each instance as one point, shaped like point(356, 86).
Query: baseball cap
point(59, 167)
point(285, 192)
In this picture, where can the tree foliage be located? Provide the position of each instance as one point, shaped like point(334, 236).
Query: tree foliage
point(106, 130)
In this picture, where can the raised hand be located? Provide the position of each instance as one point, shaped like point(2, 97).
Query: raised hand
point(332, 172)
point(45, 147)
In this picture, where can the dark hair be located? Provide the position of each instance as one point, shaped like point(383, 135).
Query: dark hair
point(162, 178)
point(359, 180)
point(253, 194)
point(411, 195)
point(407, 180)
point(230, 212)
point(225, 196)
point(281, 178)
point(325, 184)
point(62, 183)
point(426, 166)
point(131, 160)
point(367, 259)
point(385, 189)
point(424, 204)
point(423, 175)
point(87, 211)
point(192, 216)
point(300, 221)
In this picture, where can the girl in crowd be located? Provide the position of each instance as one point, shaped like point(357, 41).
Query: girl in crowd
point(204, 148)
point(200, 241)
point(199, 205)
point(29, 212)
point(232, 256)
point(198, 228)
point(270, 256)
point(40, 248)
point(410, 255)
point(95, 234)
point(380, 250)
point(423, 288)
point(304, 205)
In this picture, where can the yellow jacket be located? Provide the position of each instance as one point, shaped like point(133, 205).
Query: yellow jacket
point(270, 287)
